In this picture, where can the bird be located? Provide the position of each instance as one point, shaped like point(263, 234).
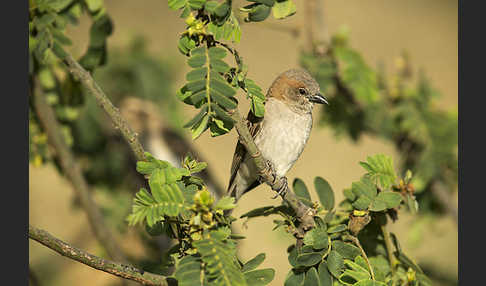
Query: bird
point(283, 131)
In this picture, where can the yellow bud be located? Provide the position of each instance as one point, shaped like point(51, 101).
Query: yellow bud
point(190, 19)
point(359, 213)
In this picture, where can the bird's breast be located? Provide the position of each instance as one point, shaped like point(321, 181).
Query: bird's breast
point(283, 135)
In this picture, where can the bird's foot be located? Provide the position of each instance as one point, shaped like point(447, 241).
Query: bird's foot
point(268, 171)
point(281, 187)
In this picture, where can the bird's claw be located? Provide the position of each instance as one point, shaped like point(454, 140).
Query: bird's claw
point(282, 187)
point(269, 169)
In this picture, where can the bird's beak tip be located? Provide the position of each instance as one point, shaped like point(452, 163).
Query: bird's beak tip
point(319, 98)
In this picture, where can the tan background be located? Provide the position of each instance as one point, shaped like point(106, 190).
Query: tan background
point(380, 29)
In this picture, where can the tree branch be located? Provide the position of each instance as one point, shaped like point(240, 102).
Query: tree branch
point(73, 172)
point(114, 268)
point(303, 212)
point(120, 123)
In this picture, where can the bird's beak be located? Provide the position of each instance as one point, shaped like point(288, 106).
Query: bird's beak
point(318, 98)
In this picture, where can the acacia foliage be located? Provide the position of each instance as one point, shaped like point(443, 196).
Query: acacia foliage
point(400, 109)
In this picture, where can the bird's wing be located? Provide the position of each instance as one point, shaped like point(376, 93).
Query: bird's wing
point(254, 125)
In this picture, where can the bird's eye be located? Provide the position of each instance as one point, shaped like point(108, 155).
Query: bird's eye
point(302, 91)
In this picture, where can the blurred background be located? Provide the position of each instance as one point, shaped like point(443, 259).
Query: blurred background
point(143, 71)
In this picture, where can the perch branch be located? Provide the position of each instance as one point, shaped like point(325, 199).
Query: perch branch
point(121, 270)
point(120, 123)
point(303, 212)
point(73, 172)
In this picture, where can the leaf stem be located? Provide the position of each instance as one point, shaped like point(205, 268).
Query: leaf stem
point(355, 240)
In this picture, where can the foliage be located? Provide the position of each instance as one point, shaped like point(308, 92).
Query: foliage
point(180, 206)
point(331, 252)
point(212, 83)
point(48, 21)
point(363, 101)
point(349, 244)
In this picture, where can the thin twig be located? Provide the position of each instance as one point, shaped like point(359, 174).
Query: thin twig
point(73, 172)
point(389, 250)
point(303, 212)
point(355, 240)
point(120, 123)
point(121, 270)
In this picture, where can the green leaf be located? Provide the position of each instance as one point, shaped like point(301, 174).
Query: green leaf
point(177, 4)
point(200, 127)
point(208, 89)
point(186, 44)
point(317, 238)
point(225, 203)
point(325, 193)
point(254, 92)
point(196, 4)
point(294, 279)
point(94, 5)
point(369, 283)
point(259, 277)
point(253, 263)
point(349, 194)
point(311, 278)
point(335, 263)
point(337, 228)
point(229, 31)
point(308, 259)
point(292, 258)
point(284, 9)
point(390, 199)
point(166, 197)
point(258, 13)
point(380, 169)
point(301, 191)
point(362, 203)
point(364, 187)
point(189, 271)
point(366, 192)
point(220, 259)
point(356, 74)
point(325, 278)
point(346, 250)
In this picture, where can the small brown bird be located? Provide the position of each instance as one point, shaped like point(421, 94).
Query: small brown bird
point(282, 133)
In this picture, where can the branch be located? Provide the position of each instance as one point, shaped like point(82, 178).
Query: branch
point(303, 212)
point(114, 268)
point(73, 172)
point(120, 123)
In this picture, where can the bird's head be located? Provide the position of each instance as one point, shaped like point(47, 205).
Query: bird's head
point(298, 89)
